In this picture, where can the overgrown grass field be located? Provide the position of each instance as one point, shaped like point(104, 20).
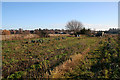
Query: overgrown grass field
point(33, 58)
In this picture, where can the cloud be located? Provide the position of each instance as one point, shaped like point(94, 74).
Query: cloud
point(99, 26)
point(86, 25)
point(62, 26)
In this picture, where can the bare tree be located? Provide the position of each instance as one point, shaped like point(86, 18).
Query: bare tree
point(74, 25)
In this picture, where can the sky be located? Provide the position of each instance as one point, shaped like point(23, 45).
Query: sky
point(55, 15)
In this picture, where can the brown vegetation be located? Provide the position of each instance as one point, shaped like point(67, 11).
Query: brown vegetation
point(19, 36)
point(52, 35)
point(68, 65)
point(6, 32)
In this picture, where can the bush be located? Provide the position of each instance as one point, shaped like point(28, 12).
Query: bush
point(42, 33)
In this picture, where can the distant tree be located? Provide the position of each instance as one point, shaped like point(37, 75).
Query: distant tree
point(74, 25)
point(83, 31)
point(40, 29)
point(20, 31)
point(31, 31)
point(6, 32)
point(26, 32)
point(41, 33)
point(88, 32)
point(62, 29)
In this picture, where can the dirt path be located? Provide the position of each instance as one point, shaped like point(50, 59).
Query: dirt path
point(59, 71)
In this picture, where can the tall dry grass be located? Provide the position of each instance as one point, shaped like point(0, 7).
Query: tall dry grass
point(54, 35)
point(18, 36)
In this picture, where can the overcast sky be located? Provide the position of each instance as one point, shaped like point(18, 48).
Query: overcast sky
point(55, 15)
